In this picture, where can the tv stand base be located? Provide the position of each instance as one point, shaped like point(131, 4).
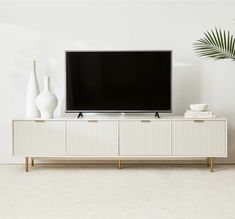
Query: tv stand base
point(80, 115)
point(157, 115)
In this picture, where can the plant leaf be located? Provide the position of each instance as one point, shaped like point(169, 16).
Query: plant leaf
point(216, 44)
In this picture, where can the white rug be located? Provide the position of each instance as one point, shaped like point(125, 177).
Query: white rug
point(162, 192)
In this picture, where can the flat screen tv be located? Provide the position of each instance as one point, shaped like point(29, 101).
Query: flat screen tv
point(118, 81)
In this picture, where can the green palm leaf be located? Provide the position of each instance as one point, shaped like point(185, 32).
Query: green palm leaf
point(216, 45)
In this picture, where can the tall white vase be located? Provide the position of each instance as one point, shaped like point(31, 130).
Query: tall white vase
point(46, 101)
point(31, 109)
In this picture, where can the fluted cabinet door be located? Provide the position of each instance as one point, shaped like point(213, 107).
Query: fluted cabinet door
point(199, 138)
point(92, 138)
point(145, 138)
point(39, 138)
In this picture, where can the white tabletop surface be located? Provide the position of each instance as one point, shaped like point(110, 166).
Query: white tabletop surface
point(120, 117)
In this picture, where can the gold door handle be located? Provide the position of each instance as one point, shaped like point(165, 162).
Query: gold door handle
point(92, 121)
point(39, 121)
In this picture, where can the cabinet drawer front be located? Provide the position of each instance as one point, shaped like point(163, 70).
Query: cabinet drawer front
point(199, 138)
point(145, 138)
point(92, 138)
point(39, 138)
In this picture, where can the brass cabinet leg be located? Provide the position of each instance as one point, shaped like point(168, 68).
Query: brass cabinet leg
point(212, 164)
point(32, 162)
point(26, 164)
point(119, 164)
point(208, 161)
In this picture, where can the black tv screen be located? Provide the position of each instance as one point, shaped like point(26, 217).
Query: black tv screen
point(118, 81)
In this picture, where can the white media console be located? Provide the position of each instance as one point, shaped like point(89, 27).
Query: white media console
point(120, 138)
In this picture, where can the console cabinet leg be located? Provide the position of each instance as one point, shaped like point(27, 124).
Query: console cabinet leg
point(208, 162)
point(212, 164)
point(119, 164)
point(26, 164)
point(32, 162)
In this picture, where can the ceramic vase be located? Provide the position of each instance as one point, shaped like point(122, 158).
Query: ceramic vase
point(46, 101)
point(31, 109)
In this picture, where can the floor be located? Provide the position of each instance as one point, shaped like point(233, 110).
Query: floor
point(163, 192)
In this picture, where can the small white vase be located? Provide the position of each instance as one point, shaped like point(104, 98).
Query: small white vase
point(31, 109)
point(46, 101)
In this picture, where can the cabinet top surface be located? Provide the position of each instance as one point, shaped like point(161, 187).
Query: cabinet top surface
point(116, 117)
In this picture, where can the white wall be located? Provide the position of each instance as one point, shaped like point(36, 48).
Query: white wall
point(42, 31)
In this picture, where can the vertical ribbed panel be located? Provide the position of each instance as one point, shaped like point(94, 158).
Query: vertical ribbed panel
point(207, 138)
point(39, 138)
point(91, 138)
point(145, 138)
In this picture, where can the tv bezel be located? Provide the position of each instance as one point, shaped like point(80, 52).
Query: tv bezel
point(118, 111)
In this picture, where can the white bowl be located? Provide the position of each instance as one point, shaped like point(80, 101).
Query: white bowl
point(198, 107)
